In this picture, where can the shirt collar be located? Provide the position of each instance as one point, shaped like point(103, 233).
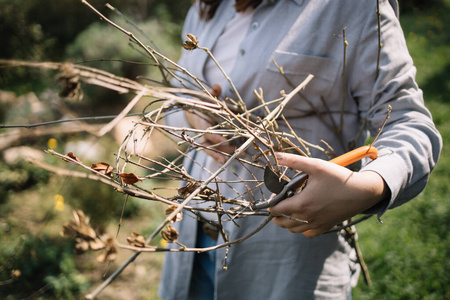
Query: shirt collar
point(299, 2)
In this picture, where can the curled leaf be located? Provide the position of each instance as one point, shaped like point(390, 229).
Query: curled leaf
point(216, 90)
point(96, 244)
point(69, 80)
point(81, 245)
point(178, 217)
point(170, 235)
point(129, 178)
point(188, 189)
point(111, 250)
point(102, 168)
point(136, 240)
point(79, 227)
point(71, 156)
point(191, 43)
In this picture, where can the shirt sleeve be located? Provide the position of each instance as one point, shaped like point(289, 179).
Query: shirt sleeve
point(410, 144)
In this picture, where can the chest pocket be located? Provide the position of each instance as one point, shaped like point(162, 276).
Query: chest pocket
point(326, 83)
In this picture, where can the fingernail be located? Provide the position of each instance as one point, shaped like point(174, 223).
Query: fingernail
point(278, 156)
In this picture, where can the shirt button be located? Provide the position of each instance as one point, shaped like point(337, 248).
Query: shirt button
point(255, 25)
point(233, 168)
point(241, 52)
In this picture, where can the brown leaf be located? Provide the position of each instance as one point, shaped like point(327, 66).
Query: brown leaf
point(111, 252)
point(207, 191)
point(70, 84)
point(96, 244)
point(129, 178)
point(188, 189)
point(216, 90)
point(81, 245)
point(191, 43)
point(68, 231)
point(79, 227)
point(137, 240)
point(170, 235)
point(178, 217)
point(102, 168)
point(72, 156)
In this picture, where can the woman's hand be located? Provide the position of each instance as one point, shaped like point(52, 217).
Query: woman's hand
point(220, 143)
point(333, 194)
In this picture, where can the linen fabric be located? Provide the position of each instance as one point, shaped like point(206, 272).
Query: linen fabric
point(305, 37)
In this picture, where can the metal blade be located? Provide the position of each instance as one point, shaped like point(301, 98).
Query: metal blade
point(273, 181)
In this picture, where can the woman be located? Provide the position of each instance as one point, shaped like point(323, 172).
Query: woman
point(251, 40)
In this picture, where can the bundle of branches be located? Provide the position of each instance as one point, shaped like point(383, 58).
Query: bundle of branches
point(255, 139)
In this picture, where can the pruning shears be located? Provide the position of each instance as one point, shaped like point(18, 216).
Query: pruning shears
point(284, 189)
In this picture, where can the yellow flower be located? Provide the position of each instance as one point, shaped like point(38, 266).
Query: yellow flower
point(52, 143)
point(59, 202)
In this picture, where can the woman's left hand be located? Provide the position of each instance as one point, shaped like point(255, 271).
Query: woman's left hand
point(333, 194)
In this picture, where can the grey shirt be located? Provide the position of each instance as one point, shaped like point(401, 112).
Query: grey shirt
point(304, 38)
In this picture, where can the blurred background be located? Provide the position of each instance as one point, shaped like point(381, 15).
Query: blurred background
point(407, 256)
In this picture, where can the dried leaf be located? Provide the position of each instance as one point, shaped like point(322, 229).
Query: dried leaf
point(111, 252)
point(70, 84)
point(102, 168)
point(170, 235)
point(191, 43)
point(216, 91)
point(207, 191)
point(68, 231)
point(79, 227)
point(178, 217)
point(136, 240)
point(96, 244)
point(188, 189)
point(81, 245)
point(87, 231)
point(101, 257)
point(129, 178)
point(72, 156)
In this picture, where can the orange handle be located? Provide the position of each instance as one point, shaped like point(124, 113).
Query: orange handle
point(355, 155)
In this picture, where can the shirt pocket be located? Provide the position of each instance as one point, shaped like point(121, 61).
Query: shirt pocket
point(324, 87)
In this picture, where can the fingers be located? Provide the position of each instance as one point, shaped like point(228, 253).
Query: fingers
point(296, 225)
point(215, 145)
point(298, 162)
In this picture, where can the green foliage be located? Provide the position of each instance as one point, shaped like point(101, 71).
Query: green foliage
point(112, 53)
point(101, 202)
point(47, 266)
point(18, 177)
point(29, 32)
point(408, 6)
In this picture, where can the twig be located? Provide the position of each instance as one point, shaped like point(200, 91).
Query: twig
point(123, 113)
point(344, 86)
point(95, 118)
point(380, 44)
point(382, 125)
